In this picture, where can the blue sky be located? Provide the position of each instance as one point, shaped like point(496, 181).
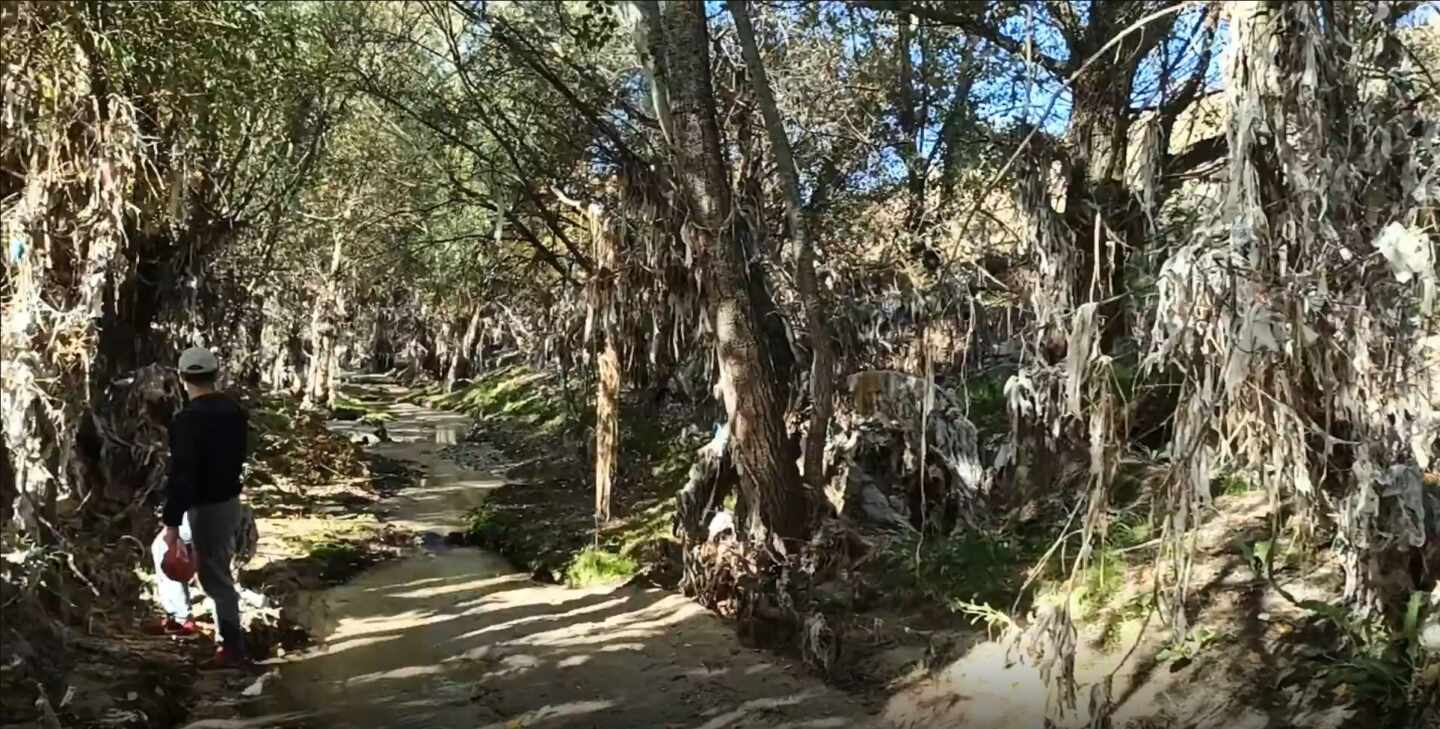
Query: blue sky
point(1052, 114)
point(1011, 95)
point(1428, 13)
point(1004, 101)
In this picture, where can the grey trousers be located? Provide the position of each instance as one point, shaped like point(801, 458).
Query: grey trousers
point(212, 531)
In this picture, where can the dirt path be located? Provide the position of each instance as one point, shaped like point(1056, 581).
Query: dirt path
point(453, 637)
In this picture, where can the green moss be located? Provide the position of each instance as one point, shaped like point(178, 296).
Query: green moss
point(555, 425)
point(338, 559)
point(599, 567)
point(522, 408)
point(517, 397)
point(264, 419)
point(1230, 485)
point(653, 525)
point(1126, 378)
point(366, 408)
point(1104, 578)
point(983, 568)
point(424, 394)
point(1125, 534)
point(330, 552)
point(670, 458)
point(988, 406)
point(270, 418)
point(486, 525)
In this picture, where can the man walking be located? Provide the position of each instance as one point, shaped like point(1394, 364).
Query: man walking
point(207, 452)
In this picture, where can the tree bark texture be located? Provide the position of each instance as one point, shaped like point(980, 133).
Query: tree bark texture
point(462, 363)
point(822, 361)
point(678, 43)
point(382, 350)
point(604, 305)
point(7, 485)
point(1099, 212)
point(324, 322)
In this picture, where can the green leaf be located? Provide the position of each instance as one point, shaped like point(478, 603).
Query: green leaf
point(1411, 631)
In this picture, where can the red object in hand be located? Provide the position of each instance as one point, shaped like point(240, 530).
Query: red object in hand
point(178, 563)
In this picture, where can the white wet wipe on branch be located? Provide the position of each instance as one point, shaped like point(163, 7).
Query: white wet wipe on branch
point(1411, 257)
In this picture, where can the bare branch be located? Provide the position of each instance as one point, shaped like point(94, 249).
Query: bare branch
point(955, 14)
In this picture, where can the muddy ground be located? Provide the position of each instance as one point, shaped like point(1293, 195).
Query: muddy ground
point(915, 650)
point(454, 636)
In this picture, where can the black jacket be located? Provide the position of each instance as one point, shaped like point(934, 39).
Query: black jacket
point(207, 450)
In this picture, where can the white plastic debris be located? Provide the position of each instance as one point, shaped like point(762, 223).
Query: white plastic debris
point(1409, 254)
point(1407, 251)
point(722, 522)
point(258, 687)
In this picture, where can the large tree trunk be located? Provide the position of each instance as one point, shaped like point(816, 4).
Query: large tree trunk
point(679, 59)
point(382, 350)
point(319, 384)
point(288, 369)
point(607, 428)
point(822, 362)
point(252, 365)
point(607, 391)
point(444, 348)
point(1097, 141)
point(461, 364)
point(915, 167)
point(1104, 218)
point(322, 343)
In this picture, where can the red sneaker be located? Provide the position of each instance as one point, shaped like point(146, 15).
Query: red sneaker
point(171, 626)
point(227, 661)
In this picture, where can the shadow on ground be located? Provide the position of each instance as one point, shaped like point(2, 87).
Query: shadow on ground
point(1262, 664)
point(454, 639)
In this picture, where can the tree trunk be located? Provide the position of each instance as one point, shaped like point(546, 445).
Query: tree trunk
point(1099, 209)
point(253, 363)
point(1105, 219)
point(607, 394)
point(607, 425)
point(679, 59)
point(321, 343)
point(323, 324)
point(444, 349)
point(915, 172)
point(331, 371)
point(290, 366)
point(822, 361)
point(460, 363)
point(7, 485)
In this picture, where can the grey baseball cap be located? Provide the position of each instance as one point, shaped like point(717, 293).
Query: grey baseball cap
point(198, 361)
